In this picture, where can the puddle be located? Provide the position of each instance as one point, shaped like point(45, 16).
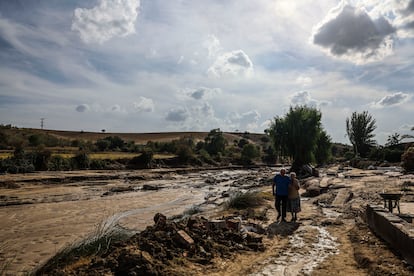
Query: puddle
point(308, 247)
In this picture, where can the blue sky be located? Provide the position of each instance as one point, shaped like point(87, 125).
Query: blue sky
point(195, 65)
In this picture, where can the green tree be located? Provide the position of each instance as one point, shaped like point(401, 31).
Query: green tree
point(215, 142)
point(278, 135)
point(297, 134)
point(360, 128)
point(323, 148)
point(393, 139)
point(249, 153)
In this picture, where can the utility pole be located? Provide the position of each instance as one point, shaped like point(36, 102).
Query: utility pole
point(42, 122)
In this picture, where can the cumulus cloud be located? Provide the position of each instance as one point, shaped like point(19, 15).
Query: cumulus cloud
point(305, 98)
point(392, 100)
point(203, 111)
point(177, 115)
point(82, 108)
point(350, 32)
point(204, 92)
point(106, 20)
point(235, 63)
point(144, 105)
point(245, 121)
point(212, 43)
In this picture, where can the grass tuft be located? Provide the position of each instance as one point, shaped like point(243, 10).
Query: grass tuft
point(245, 200)
point(97, 243)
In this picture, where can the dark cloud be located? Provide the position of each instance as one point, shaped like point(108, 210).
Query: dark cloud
point(177, 115)
point(394, 99)
point(409, 9)
point(352, 30)
point(198, 94)
point(82, 108)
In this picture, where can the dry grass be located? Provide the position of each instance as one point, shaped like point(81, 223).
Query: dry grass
point(114, 155)
point(4, 155)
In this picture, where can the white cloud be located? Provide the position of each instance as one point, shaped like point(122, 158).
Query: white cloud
point(82, 108)
point(105, 21)
point(305, 98)
point(212, 43)
point(204, 111)
point(235, 63)
point(246, 121)
point(392, 100)
point(304, 81)
point(351, 33)
point(144, 105)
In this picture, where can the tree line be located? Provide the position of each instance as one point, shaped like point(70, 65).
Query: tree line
point(297, 138)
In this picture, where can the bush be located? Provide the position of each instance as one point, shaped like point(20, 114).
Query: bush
point(205, 157)
point(407, 159)
point(59, 163)
point(81, 160)
point(41, 159)
point(349, 155)
point(249, 153)
point(245, 200)
point(185, 154)
point(143, 161)
point(97, 164)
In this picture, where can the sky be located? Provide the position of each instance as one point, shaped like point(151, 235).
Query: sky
point(198, 65)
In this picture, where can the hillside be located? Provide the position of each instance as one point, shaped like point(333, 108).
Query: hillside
point(137, 138)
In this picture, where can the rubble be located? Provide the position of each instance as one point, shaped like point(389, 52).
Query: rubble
point(158, 247)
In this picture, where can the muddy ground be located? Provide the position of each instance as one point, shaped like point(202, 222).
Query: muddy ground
point(41, 214)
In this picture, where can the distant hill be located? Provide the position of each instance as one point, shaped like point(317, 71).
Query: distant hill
point(137, 138)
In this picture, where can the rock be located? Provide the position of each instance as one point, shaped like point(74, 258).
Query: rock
point(183, 238)
point(147, 187)
point(160, 220)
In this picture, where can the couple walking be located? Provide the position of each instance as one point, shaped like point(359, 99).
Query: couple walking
point(286, 192)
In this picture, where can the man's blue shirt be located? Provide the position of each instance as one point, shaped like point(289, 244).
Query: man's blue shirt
point(282, 184)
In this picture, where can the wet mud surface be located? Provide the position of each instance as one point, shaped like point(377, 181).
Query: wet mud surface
point(41, 217)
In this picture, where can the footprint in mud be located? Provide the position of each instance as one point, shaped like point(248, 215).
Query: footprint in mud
point(308, 247)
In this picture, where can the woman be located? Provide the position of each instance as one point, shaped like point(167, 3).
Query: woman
point(293, 196)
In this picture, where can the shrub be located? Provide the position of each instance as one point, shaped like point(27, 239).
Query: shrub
point(145, 160)
point(185, 154)
point(81, 160)
point(407, 159)
point(244, 200)
point(41, 159)
point(97, 164)
point(59, 163)
point(205, 157)
point(249, 152)
point(349, 155)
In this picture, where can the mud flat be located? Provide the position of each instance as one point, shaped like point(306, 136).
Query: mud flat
point(39, 218)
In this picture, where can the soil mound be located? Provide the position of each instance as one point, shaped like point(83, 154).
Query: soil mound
point(165, 248)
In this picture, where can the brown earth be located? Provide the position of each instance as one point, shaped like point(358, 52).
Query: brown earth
point(39, 218)
point(139, 138)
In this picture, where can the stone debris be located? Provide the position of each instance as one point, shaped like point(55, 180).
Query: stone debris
point(152, 251)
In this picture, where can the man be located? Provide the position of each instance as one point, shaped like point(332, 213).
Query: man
point(280, 190)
